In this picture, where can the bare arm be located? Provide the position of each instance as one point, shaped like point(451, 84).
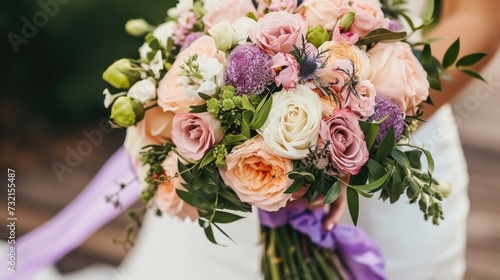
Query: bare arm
point(477, 23)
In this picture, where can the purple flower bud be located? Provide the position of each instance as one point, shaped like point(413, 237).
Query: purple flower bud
point(395, 118)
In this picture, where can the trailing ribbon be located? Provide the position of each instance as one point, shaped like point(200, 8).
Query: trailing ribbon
point(88, 212)
point(359, 252)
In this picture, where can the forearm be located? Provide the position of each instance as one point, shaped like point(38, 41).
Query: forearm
point(478, 32)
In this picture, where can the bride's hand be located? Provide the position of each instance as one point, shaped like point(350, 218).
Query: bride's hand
point(335, 209)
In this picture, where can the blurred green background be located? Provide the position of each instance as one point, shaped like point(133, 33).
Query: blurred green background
point(55, 78)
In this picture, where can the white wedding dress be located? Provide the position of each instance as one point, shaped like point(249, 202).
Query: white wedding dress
point(413, 248)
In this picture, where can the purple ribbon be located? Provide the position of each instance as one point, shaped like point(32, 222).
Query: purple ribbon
point(359, 252)
point(74, 224)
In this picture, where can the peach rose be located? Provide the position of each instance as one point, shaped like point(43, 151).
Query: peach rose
point(171, 95)
point(335, 51)
point(155, 128)
point(279, 32)
point(347, 147)
point(166, 198)
point(368, 17)
point(321, 12)
point(258, 175)
point(194, 134)
point(398, 75)
point(229, 10)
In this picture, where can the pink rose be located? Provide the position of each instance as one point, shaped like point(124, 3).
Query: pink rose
point(278, 32)
point(398, 75)
point(230, 10)
point(194, 134)
point(276, 5)
point(166, 198)
point(363, 105)
point(347, 147)
point(171, 95)
point(321, 12)
point(368, 17)
point(258, 175)
point(346, 37)
point(287, 71)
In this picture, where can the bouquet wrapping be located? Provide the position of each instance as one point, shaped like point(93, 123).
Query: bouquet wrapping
point(238, 104)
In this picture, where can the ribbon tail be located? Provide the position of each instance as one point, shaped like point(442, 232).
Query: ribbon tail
point(89, 211)
point(359, 253)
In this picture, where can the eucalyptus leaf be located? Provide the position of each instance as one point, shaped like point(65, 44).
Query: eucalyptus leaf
point(333, 193)
point(451, 54)
point(381, 34)
point(234, 139)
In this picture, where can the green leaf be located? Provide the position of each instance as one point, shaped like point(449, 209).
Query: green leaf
point(470, 59)
point(231, 140)
point(472, 73)
point(198, 108)
point(353, 204)
point(414, 157)
point(246, 104)
point(451, 54)
point(194, 200)
point(261, 114)
point(246, 120)
point(397, 187)
point(426, 58)
point(434, 83)
point(205, 97)
point(381, 34)
point(225, 217)
point(386, 145)
point(207, 159)
point(184, 172)
point(400, 157)
point(375, 168)
point(209, 233)
point(370, 130)
point(301, 175)
point(372, 186)
point(333, 193)
point(295, 186)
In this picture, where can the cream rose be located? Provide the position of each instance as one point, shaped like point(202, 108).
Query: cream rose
point(321, 12)
point(229, 10)
point(258, 175)
point(335, 51)
point(398, 75)
point(293, 122)
point(166, 198)
point(224, 35)
point(171, 94)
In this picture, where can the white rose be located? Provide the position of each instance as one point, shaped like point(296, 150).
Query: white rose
point(293, 122)
point(224, 35)
point(243, 28)
point(143, 90)
point(164, 31)
point(144, 50)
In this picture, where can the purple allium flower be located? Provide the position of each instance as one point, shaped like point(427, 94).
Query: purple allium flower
point(395, 119)
point(190, 38)
point(248, 69)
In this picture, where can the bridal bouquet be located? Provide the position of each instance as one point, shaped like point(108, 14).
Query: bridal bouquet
point(242, 103)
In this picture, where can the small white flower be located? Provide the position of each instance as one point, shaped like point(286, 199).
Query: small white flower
point(207, 77)
point(182, 6)
point(243, 27)
point(144, 50)
point(164, 31)
point(224, 35)
point(156, 63)
point(143, 90)
point(445, 187)
point(110, 98)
